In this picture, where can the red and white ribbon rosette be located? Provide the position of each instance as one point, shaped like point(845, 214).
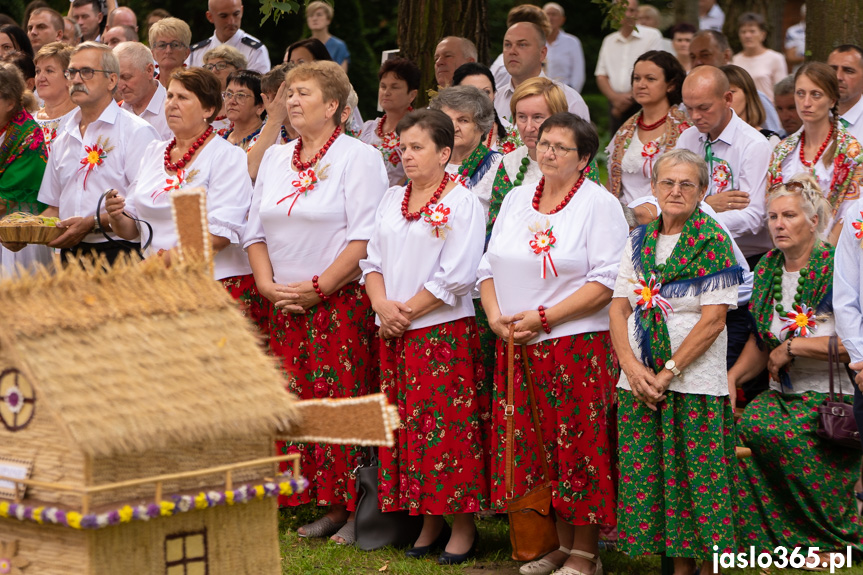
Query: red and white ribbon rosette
point(858, 225)
point(437, 218)
point(721, 177)
point(304, 183)
point(96, 155)
point(648, 152)
point(650, 298)
point(541, 244)
point(175, 183)
point(799, 321)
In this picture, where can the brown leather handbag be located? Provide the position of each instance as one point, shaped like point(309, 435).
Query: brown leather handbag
point(836, 421)
point(531, 521)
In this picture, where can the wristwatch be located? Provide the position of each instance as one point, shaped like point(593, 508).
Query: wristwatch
point(672, 367)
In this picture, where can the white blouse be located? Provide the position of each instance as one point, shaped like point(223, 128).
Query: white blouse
point(807, 374)
point(512, 163)
point(792, 166)
point(589, 234)
point(389, 149)
point(221, 170)
point(439, 252)
point(50, 128)
point(636, 169)
point(482, 189)
point(707, 375)
point(339, 209)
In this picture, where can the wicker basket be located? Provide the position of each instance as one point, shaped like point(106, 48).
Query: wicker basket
point(29, 229)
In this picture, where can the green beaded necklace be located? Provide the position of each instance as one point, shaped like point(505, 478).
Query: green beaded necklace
point(777, 288)
point(522, 170)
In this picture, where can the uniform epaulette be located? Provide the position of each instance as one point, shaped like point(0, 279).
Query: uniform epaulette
point(251, 42)
point(201, 44)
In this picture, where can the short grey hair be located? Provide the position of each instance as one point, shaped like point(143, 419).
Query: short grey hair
point(678, 157)
point(229, 54)
point(137, 54)
point(109, 63)
point(785, 86)
point(555, 6)
point(812, 200)
point(469, 50)
point(468, 100)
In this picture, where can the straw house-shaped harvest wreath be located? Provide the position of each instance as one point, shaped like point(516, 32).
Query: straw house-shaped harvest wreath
point(138, 411)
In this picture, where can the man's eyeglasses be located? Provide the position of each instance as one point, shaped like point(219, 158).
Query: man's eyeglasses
point(86, 73)
point(216, 66)
point(558, 151)
point(173, 45)
point(240, 96)
point(666, 186)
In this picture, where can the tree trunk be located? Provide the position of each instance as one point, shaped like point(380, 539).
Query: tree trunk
point(830, 23)
point(686, 11)
point(773, 13)
point(422, 23)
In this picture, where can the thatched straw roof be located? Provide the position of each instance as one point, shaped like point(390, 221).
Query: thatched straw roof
point(139, 357)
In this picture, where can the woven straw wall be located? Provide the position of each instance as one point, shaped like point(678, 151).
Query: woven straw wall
point(177, 460)
point(50, 549)
point(241, 539)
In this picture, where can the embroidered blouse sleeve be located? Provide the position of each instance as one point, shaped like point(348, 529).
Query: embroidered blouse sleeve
point(254, 232)
point(365, 183)
point(372, 261)
point(606, 238)
point(461, 253)
point(229, 194)
point(848, 310)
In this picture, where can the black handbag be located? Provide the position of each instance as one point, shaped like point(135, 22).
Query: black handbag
point(836, 421)
point(376, 529)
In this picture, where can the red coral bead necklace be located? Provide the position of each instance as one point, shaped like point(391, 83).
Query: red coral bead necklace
point(650, 127)
point(541, 186)
point(820, 150)
point(410, 216)
point(300, 165)
point(187, 157)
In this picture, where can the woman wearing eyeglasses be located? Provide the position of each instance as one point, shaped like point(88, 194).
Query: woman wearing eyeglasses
point(678, 277)
point(548, 273)
point(245, 108)
point(796, 487)
point(169, 41)
point(223, 61)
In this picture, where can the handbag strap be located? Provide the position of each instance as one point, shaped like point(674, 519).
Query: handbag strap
point(535, 414)
point(831, 360)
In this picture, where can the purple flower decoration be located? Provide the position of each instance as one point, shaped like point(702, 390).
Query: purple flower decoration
point(89, 522)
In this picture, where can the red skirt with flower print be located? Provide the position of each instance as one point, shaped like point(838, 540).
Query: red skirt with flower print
point(253, 305)
point(328, 352)
point(438, 464)
point(574, 378)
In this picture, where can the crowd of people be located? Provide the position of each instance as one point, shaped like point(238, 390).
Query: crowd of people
point(656, 323)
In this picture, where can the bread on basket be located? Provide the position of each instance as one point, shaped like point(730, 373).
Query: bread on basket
point(21, 227)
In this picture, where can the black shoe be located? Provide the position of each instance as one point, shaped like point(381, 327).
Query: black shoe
point(458, 558)
point(438, 543)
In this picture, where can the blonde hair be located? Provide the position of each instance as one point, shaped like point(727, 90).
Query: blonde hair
point(812, 200)
point(58, 50)
point(171, 28)
point(554, 96)
point(318, 5)
point(331, 79)
point(229, 54)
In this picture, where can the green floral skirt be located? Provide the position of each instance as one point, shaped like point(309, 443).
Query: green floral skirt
point(796, 490)
point(677, 469)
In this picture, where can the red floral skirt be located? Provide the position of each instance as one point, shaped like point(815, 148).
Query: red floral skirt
point(253, 305)
point(328, 352)
point(574, 379)
point(438, 465)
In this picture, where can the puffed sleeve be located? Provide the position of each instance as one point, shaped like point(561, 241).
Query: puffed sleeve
point(606, 238)
point(848, 311)
point(254, 232)
point(461, 253)
point(229, 194)
point(623, 286)
point(373, 260)
point(365, 183)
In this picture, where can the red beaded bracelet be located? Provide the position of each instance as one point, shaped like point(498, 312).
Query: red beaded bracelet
point(318, 289)
point(545, 327)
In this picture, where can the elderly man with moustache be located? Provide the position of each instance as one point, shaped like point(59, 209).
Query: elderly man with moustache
point(96, 150)
point(847, 60)
point(45, 26)
point(142, 94)
point(711, 48)
point(450, 53)
point(524, 50)
point(227, 16)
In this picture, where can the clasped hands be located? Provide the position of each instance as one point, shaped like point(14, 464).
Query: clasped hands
point(395, 318)
point(527, 325)
point(296, 297)
point(648, 387)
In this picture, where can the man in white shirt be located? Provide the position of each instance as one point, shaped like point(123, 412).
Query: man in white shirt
point(711, 48)
point(710, 15)
point(142, 94)
point(45, 26)
point(795, 42)
point(98, 149)
point(450, 53)
point(226, 16)
point(847, 60)
point(88, 15)
point(565, 59)
point(617, 56)
point(523, 52)
point(737, 156)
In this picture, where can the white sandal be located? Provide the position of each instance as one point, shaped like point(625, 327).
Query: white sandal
point(585, 555)
point(542, 566)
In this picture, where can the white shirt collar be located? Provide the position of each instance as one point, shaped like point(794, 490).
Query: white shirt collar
point(727, 135)
point(156, 105)
point(854, 114)
point(511, 89)
point(108, 115)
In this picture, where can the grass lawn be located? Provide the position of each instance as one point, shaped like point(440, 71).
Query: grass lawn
point(303, 556)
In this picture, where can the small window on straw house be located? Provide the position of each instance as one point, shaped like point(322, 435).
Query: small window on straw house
point(186, 553)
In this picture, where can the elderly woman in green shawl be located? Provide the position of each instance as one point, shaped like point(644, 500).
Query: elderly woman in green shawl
point(22, 163)
point(677, 279)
